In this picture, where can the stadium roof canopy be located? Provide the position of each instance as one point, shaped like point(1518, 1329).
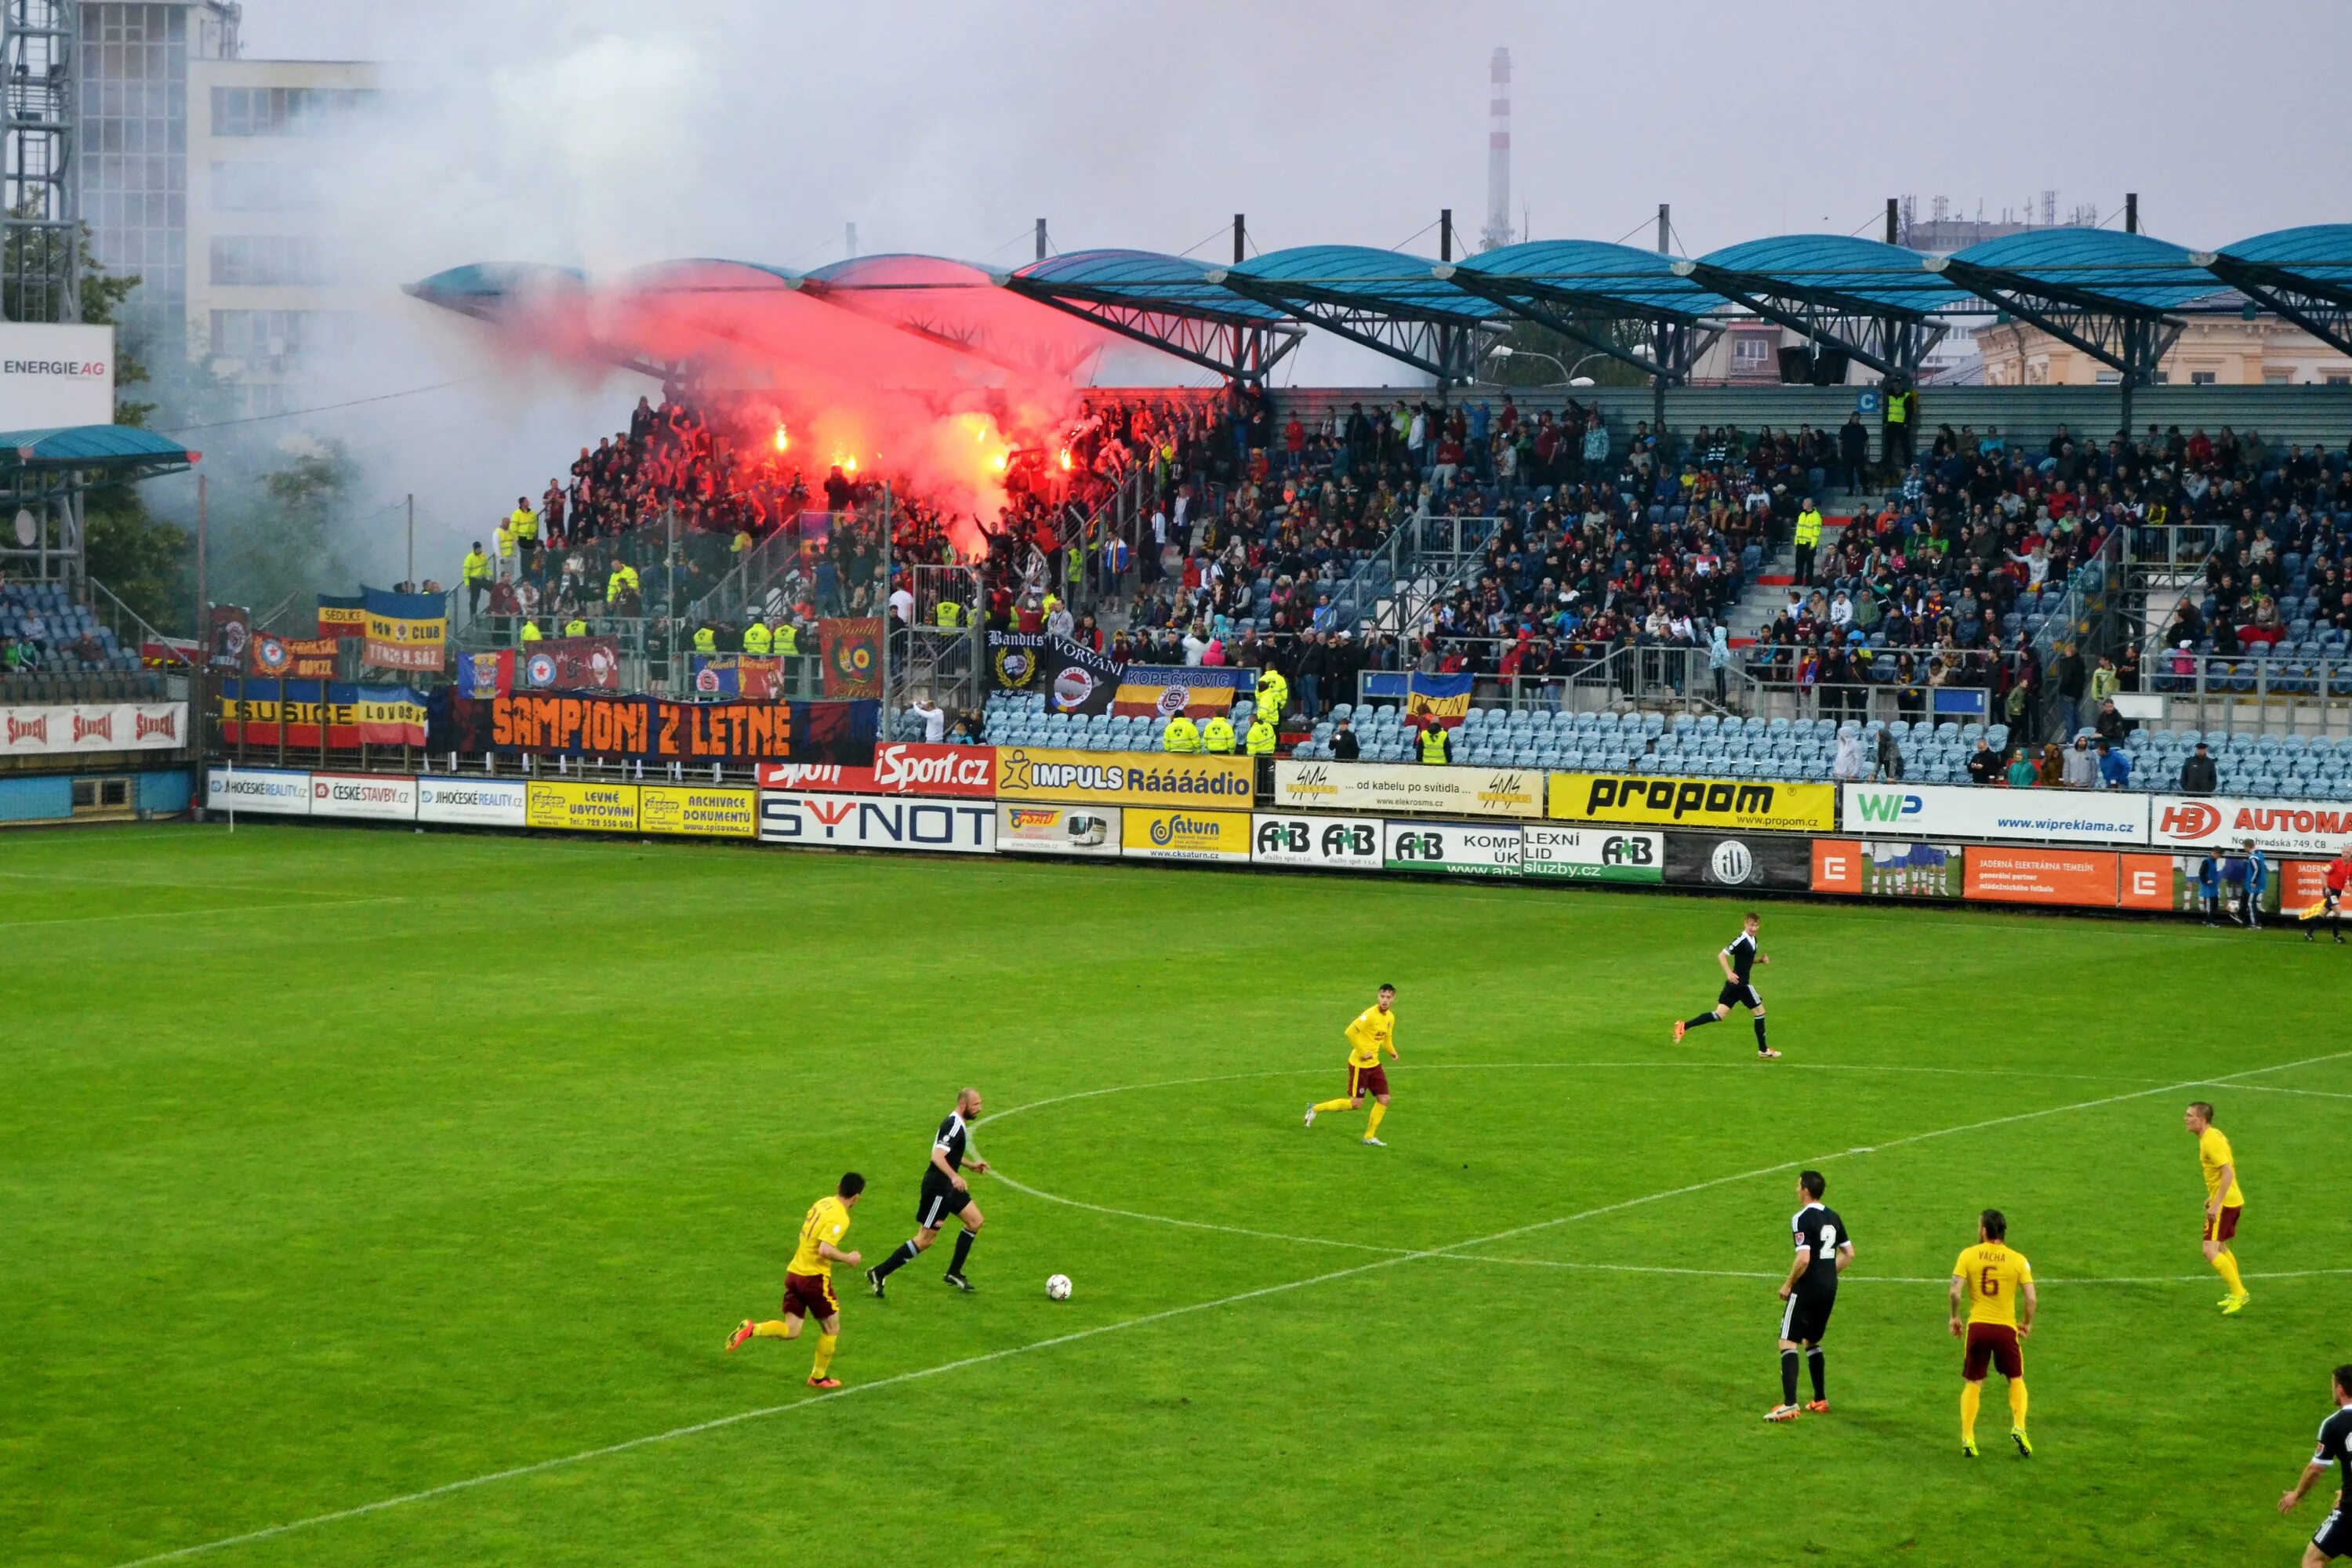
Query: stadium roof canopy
point(1387, 300)
point(484, 287)
point(1581, 288)
point(1167, 301)
point(2305, 274)
point(2111, 294)
point(1864, 297)
point(117, 448)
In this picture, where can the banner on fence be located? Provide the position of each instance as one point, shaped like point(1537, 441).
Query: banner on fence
point(729, 675)
point(1124, 778)
point(2003, 875)
point(276, 791)
point(1886, 870)
point(1976, 811)
point(2288, 827)
point(1737, 805)
point(1321, 843)
point(304, 658)
point(1743, 862)
point(900, 767)
point(92, 727)
point(657, 730)
point(484, 676)
point(406, 632)
point(852, 646)
point(1593, 854)
point(580, 807)
point(473, 803)
point(1182, 833)
point(256, 712)
point(1164, 690)
point(854, 822)
point(227, 630)
point(342, 616)
point(698, 811)
point(1445, 697)
point(1454, 849)
point(1016, 660)
point(1408, 787)
point(383, 798)
point(1057, 830)
point(572, 664)
point(1078, 678)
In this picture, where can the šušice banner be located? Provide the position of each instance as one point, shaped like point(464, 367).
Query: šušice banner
point(404, 631)
point(256, 712)
point(1445, 697)
point(656, 729)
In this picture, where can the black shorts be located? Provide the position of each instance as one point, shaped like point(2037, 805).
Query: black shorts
point(2334, 1536)
point(1806, 1319)
point(940, 1202)
point(1738, 993)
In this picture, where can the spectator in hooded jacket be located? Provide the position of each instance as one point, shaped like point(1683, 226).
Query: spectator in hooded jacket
point(2115, 766)
point(2082, 765)
point(2198, 775)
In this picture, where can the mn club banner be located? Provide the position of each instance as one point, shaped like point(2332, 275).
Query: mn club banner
point(852, 646)
point(404, 631)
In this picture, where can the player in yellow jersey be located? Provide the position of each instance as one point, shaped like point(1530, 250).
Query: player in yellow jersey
point(808, 1281)
point(2223, 1202)
point(1996, 1281)
point(1373, 1031)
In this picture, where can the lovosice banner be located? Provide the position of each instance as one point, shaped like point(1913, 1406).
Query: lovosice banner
point(866, 822)
point(656, 729)
point(1978, 811)
point(1740, 806)
point(1401, 788)
point(1125, 778)
point(92, 727)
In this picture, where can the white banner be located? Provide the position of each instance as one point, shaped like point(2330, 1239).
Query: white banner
point(1458, 849)
point(1025, 830)
point(383, 799)
point(1593, 854)
point(1982, 811)
point(1406, 786)
point(52, 376)
point(287, 794)
point(472, 803)
point(866, 822)
point(2282, 826)
point(1329, 843)
point(93, 727)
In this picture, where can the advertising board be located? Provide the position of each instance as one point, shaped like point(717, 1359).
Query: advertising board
point(900, 767)
point(472, 803)
point(1740, 861)
point(1124, 778)
point(1025, 829)
point(1594, 854)
point(580, 807)
point(866, 822)
point(704, 811)
point(2287, 826)
point(273, 790)
point(1321, 843)
point(56, 376)
point(2002, 875)
point(1404, 786)
point(1736, 806)
point(1452, 849)
point(1978, 811)
point(92, 727)
point(388, 798)
point(1160, 834)
point(1886, 870)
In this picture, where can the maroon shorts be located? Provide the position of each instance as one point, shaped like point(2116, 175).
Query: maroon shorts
point(2228, 1225)
point(1992, 1345)
point(809, 1296)
point(1367, 1080)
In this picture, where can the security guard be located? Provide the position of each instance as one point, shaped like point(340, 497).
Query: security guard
point(786, 643)
point(1260, 740)
point(1436, 744)
point(624, 580)
point(531, 632)
point(706, 640)
point(1901, 403)
point(1809, 540)
point(477, 578)
point(1217, 735)
point(1183, 735)
point(577, 626)
point(523, 523)
point(758, 641)
point(949, 615)
point(1273, 693)
point(502, 541)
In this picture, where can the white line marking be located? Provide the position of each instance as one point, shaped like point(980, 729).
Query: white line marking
point(2274, 1088)
point(1164, 1315)
point(197, 914)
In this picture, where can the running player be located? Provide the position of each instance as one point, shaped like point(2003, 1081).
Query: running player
point(1373, 1031)
point(2224, 1203)
point(2332, 883)
point(2334, 1537)
point(1738, 962)
point(1824, 1250)
point(1995, 1280)
point(808, 1281)
point(945, 1192)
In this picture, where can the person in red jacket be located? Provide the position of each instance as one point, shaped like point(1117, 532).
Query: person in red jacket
point(2332, 884)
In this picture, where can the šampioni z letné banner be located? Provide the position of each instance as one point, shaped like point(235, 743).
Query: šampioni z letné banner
point(657, 730)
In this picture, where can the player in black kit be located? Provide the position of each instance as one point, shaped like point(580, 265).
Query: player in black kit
point(945, 1192)
point(2334, 1538)
point(1824, 1248)
point(1739, 961)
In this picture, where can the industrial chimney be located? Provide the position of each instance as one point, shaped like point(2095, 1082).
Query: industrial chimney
point(1498, 232)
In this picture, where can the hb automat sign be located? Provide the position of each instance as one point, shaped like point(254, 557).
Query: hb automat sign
point(1123, 778)
point(2287, 826)
point(1742, 805)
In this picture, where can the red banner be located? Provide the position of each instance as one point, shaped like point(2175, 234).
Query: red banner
point(302, 658)
point(900, 767)
point(852, 646)
point(658, 730)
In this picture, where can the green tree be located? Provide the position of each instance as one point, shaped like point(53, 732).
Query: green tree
point(1526, 340)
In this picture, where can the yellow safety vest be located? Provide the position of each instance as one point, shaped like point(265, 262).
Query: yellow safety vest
point(950, 614)
point(1273, 694)
point(706, 640)
point(1808, 526)
point(502, 539)
point(622, 577)
point(525, 524)
point(756, 639)
point(1899, 407)
point(575, 627)
point(531, 632)
point(478, 566)
point(788, 641)
point(1432, 744)
point(1183, 735)
point(1260, 740)
point(1217, 734)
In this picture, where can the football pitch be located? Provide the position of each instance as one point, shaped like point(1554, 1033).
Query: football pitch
point(383, 1198)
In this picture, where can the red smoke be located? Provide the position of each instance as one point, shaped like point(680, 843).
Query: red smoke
point(910, 368)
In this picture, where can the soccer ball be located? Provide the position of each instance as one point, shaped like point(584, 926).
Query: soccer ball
point(1058, 1288)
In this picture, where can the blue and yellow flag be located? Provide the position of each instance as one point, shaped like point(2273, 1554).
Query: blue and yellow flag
point(1445, 697)
point(404, 631)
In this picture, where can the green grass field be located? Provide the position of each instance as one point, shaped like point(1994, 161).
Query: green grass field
point(343, 1166)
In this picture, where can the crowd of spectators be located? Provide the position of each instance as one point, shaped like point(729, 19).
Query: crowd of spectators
point(44, 630)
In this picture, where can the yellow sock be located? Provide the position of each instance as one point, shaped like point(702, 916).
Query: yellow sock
point(1334, 1105)
point(2017, 1403)
point(2225, 1263)
point(1373, 1126)
point(826, 1344)
point(773, 1329)
point(1969, 1394)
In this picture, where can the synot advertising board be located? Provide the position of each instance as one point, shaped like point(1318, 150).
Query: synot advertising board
point(1740, 861)
point(1982, 811)
point(1163, 834)
point(867, 822)
point(378, 798)
point(580, 807)
point(1593, 854)
point(2285, 827)
point(1315, 843)
point(1452, 849)
point(698, 811)
point(279, 791)
point(1397, 787)
point(1125, 778)
point(900, 767)
point(1044, 829)
point(472, 803)
point(1735, 805)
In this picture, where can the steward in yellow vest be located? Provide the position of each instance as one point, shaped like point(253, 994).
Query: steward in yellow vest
point(1217, 735)
point(949, 615)
point(757, 639)
point(477, 565)
point(1808, 526)
point(705, 640)
point(575, 627)
point(622, 580)
point(1260, 742)
point(787, 643)
point(1183, 735)
point(1436, 745)
point(1273, 694)
point(531, 632)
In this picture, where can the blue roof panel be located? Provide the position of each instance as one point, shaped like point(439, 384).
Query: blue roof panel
point(1645, 280)
point(1822, 266)
point(1348, 274)
point(1143, 279)
point(92, 446)
point(2135, 270)
point(2321, 251)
